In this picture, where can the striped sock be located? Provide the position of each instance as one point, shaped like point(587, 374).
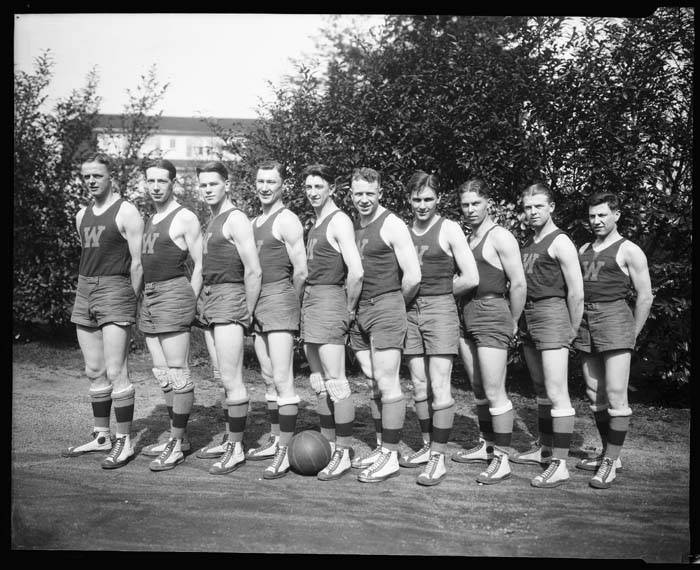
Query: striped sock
point(443, 418)
point(423, 413)
point(393, 416)
point(344, 413)
point(237, 414)
point(325, 416)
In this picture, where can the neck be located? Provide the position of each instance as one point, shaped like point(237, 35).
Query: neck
point(268, 209)
point(482, 227)
point(108, 198)
point(328, 207)
point(165, 206)
point(611, 237)
point(364, 220)
point(222, 206)
point(421, 225)
point(547, 228)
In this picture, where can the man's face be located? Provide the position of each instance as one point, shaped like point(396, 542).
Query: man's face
point(365, 196)
point(159, 185)
point(538, 209)
point(318, 191)
point(268, 185)
point(602, 219)
point(212, 187)
point(96, 178)
point(475, 208)
point(424, 203)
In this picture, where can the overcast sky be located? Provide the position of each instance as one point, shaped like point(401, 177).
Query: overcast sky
point(216, 64)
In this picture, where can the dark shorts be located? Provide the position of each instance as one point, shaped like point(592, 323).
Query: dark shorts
point(102, 300)
point(324, 315)
point(606, 326)
point(222, 304)
point(277, 308)
point(167, 306)
point(488, 322)
point(547, 324)
point(432, 326)
point(380, 321)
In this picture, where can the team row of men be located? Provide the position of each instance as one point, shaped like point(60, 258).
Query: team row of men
point(425, 292)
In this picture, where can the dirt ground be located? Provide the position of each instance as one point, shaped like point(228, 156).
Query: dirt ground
point(61, 504)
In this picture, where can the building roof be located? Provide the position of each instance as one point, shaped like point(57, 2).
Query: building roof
point(182, 125)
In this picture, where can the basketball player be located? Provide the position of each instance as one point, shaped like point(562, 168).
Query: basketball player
point(332, 289)
point(432, 337)
point(490, 317)
point(169, 301)
point(392, 277)
point(232, 277)
point(609, 329)
point(109, 278)
point(552, 315)
point(279, 237)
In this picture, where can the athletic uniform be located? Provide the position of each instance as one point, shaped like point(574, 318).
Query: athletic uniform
point(104, 294)
point(324, 315)
point(381, 311)
point(223, 299)
point(546, 317)
point(432, 319)
point(608, 321)
point(278, 305)
point(168, 302)
point(486, 315)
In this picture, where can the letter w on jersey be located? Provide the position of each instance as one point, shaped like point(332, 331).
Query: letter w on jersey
point(420, 251)
point(529, 261)
point(149, 241)
point(310, 249)
point(591, 270)
point(361, 247)
point(91, 236)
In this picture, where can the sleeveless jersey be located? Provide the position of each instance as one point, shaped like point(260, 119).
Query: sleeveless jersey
point(325, 264)
point(274, 260)
point(382, 272)
point(603, 280)
point(492, 280)
point(104, 250)
point(542, 272)
point(221, 262)
point(161, 258)
point(437, 268)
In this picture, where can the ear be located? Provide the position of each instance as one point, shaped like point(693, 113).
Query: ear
point(551, 206)
point(616, 215)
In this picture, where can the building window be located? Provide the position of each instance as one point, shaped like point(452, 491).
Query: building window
point(172, 142)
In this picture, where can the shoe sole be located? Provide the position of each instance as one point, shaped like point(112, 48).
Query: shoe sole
point(529, 461)
point(377, 479)
point(411, 465)
point(201, 454)
point(549, 485)
point(166, 467)
point(226, 470)
point(79, 453)
point(119, 464)
point(594, 467)
point(258, 457)
point(149, 453)
point(430, 482)
point(277, 475)
point(459, 459)
point(597, 485)
point(331, 477)
point(492, 480)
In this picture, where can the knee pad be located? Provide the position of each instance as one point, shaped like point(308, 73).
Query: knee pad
point(444, 406)
point(621, 413)
point(288, 401)
point(598, 407)
point(100, 392)
point(163, 378)
point(316, 380)
point(392, 400)
point(502, 410)
point(180, 380)
point(338, 389)
point(543, 401)
point(124, 394)
point(562, 413)
point(481, 401)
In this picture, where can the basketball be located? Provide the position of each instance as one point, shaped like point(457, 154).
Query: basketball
point(308, 452)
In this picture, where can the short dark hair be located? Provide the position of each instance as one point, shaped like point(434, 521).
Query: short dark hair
point(95, 156)
point(213, 166)
point(538, 188)
point(273, 165)
point(366, 174)
point(477, 185)
point(320, 170)
point(604, 198)
point(161, 163)
point(421, 179)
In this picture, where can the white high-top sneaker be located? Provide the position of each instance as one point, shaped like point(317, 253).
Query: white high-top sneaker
point(434, 471)
point(556, 474)
point(481, 452)
point(169, 457)
point(122, 452)
point(385, 466)
point(280, 464)
point(100, 441)
point(231, 460)
point(497, 471)
point(338, 466)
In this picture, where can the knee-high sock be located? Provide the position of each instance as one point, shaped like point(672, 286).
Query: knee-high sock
point(443, 418)
point(101, 401)
point(544, 421)
point(562, 428)
point(273, 417)
point(393, 416)
point(237, 414)
point(423, 413)
point(619, 425)
point(602, 421)
point(502, 419)
point(375, 408)
point(288, 411)
point(124, 409)
point(325, 416)
point(484, 417)
point(344, 414)
point(182, 407)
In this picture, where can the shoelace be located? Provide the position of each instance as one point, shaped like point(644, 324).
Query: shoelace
point(279, 457)
point(224, 439)
point(474, 449)
point(547, 473)
point(335, 460)
point(379, 462)
point(167, 451)
point(230, 446)
point(265, 446)
point(117, 449)
point(421, 451)
point(604, 469)
point(432, 464)
point(494, 465)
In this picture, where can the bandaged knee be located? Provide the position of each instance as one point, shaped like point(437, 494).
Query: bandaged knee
point(317, 383)
point(338, 389)
point(180, 380)
point(163, 378)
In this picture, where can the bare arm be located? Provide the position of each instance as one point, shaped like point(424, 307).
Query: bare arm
point(130, 223)
point(564, 251)
point(292, 234)
point(638, 269)
point(193, 238)
point(396, 235)
point(342, 231)
point(240, 229)
point(468, 276)
point(508, 251)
